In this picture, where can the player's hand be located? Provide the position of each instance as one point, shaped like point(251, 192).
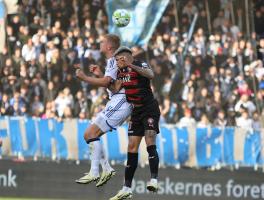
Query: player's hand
point(119, 83)
point(95, 69)
point(80, 74)
point(115, 86)
point(127, 62)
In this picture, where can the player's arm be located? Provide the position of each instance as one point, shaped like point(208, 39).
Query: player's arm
point(115, 86)
point(101, 82)
point(95, 69)
point(143, 71)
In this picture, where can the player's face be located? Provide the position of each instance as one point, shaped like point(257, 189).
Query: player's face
point(103, 45)
point(121, 61)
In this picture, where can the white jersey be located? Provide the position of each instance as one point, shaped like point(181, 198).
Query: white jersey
point(117, 109)
point(111, 70)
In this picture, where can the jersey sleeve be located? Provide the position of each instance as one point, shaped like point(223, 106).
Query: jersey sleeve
point(111, 69)
point(141, 64)
point(144, 65)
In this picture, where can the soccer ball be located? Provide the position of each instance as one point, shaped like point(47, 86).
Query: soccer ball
point(121, 18)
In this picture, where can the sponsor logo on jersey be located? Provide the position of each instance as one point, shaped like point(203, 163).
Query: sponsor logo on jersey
point(126, 78)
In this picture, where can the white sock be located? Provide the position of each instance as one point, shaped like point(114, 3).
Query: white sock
point(127, 189)
point(154, 180)
point(95, 155)
point(104, 161)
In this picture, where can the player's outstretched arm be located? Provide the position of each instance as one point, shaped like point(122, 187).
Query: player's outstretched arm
point(144, 71)
point(101, 82)
point(95, 69)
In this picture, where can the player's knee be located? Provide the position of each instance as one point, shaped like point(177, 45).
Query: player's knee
point(86, 136)
point(91, 132)
point(150, 141)
point(89, 135)
point(132, 147)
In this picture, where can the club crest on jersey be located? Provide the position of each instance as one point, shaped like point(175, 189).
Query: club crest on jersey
point(151, 122)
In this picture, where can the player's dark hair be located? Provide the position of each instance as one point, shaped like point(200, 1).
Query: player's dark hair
point(114, 40)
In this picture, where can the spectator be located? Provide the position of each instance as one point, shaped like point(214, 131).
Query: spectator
point(67, 114)
point(50, 110)
point(231, 117)
point(256, 125)
point(37, 107)
point(187, 120)
point(260, 50)
point(190, 9)
point(81, 105)
point(61, 102)
point(204, 122)
point(244, 121)
point(165, 108)
point(245, 103)
point(17, 59)
point(243, 89)
point(29, 51)
point(216, 72)
point(5, 106)
point(221, 119)
point(201, 102)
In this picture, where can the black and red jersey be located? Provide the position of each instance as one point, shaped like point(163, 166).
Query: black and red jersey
point(137, 87)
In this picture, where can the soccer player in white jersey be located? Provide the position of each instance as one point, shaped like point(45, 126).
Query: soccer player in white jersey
point(115, 113)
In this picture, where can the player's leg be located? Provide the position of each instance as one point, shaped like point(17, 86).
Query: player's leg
point(120, 110)
point(135, 132)
point(150, 138)
point(131, 166)
point(132, 159)
point(151, 126)
point(108, 172)
point(92, 138)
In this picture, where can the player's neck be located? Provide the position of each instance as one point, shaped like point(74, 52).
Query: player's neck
point(109, 54)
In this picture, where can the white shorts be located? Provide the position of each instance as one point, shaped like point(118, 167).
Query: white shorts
point(116, 111)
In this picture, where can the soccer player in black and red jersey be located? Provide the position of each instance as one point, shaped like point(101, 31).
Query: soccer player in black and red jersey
point(134, 76)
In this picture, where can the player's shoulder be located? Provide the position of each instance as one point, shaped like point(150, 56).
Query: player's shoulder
point(140, 63)
point(111, 63)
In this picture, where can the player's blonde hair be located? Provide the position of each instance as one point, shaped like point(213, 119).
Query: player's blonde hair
point(114, 40)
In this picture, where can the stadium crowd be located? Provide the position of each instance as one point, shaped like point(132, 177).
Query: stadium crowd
point(215, 78)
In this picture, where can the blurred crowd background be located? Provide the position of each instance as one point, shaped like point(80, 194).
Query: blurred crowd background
point(214, 78)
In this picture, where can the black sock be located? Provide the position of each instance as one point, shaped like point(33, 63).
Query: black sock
point(92, 140)
point(132, 162)
point(153, 161)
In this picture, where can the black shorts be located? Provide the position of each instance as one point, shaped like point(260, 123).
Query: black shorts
point(144, 118)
